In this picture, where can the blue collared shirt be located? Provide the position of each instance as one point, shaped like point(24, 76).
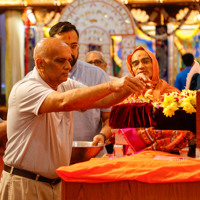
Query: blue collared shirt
point(180, 82)
point(88, 124)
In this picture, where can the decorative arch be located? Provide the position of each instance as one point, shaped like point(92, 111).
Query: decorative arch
point(97, 21)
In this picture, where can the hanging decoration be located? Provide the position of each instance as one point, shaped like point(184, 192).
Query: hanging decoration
point(187, 36)
point(193, 46)
point(179, 46)
point(48, 18)
point(167, 18)
point(142, 35)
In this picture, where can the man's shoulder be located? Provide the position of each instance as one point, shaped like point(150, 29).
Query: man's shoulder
point(180, 74)
point(184, 72)
point(89, 74)
point(23, 83)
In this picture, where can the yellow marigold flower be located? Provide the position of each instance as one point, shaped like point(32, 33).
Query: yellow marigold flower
point(140, 96)
point(190, 99)
point(140, 99)
point(175, 94)
point(169, 111)
point(168, 100)
point(191, 92)
point(148, 94)
point(188, 107)
point(184, 91)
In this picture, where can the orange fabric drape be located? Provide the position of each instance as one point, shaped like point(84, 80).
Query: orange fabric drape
point(142, 167)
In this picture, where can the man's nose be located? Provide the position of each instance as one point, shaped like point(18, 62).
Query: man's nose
point(68, 66)
point(140, 65)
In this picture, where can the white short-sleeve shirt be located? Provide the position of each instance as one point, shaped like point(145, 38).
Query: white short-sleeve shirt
point(39, 143)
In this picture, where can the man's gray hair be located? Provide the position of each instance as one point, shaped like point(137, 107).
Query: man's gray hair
point(98, 52)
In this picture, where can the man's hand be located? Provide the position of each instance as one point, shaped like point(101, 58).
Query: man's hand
point(98, 139)
point(145, 79)
point(128, 83)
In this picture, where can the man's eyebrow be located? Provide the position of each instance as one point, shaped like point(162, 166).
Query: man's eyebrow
point(134, 61)
point(74, 43)
point(60, 59)
point(146, 58)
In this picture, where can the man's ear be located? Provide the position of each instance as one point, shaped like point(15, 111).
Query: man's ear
point(39, 63)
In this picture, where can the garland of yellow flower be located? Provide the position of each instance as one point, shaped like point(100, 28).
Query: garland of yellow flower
point(145, 37)
point(186, 100)
point(183, 36)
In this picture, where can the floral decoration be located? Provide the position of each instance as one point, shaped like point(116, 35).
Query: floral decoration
point(170, 102)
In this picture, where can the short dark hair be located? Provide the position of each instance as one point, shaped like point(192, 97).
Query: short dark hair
point(188, 59)
point(62, 27)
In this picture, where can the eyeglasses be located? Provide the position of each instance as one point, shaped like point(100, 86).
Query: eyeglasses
point(146, 61)
point(73, 46)
point(95, 62)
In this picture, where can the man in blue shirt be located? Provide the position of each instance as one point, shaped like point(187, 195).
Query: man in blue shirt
point(93, 122)
point(188, 60)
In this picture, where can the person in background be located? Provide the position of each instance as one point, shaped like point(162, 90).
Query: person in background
point(97, 58)
point(143, 62)
point(89, 124)
point(188, 61)
point(40, 121)
point(194, 70)
point(195, 82)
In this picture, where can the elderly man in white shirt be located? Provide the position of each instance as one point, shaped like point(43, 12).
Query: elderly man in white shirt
point(40, 121)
